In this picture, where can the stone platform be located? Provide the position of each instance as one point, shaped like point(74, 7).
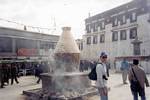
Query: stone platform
point(37, 94)
point(63, 86)
point(63, 82)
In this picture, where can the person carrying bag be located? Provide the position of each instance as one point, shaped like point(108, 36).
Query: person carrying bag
point(135, 84)
point(138, 79)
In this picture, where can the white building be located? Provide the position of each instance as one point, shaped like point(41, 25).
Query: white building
point(113, 31)
point(25, 45)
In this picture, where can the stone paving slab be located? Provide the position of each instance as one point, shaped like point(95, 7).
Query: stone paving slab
point(118, 91)
point(14, 92)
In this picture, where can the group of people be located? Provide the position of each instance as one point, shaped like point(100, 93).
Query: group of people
point(136, 76)
point(8, 71)
point(85, 65)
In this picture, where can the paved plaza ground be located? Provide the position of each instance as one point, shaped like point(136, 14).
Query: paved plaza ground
point(118, 91)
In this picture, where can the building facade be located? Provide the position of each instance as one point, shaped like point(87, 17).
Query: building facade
point(80, 46)
point(21, 44)
point(114, 31)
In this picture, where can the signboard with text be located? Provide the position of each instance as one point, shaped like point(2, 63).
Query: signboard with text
point(27, 52)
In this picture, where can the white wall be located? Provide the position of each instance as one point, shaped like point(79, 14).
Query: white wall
point(144, 33)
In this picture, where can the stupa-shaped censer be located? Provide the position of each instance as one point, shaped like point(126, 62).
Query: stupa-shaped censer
point(67, 52)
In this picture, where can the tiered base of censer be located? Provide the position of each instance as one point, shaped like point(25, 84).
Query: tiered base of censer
point(71, 86)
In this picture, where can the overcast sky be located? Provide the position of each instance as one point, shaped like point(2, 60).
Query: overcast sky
point(41, 13)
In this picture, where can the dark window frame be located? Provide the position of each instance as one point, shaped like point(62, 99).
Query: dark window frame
point(6, 45)
point(81, 46)
point(101, 25)
point(121, 35)
point(95, 39)
point(113, 22)
point(88, 29)
point(132, 34)
point(94, 27)
point(137, 49)
point(88, 40)
point(102, 38)
point(121, 21)
point(114, 36)
point(131, 17)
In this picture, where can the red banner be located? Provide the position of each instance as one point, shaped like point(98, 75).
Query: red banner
point(27, 52)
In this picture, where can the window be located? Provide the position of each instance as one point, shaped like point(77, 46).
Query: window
point(47, 45)
point(133, 17)
point(123, 20)
point(102, 25)
point(88, 28)
point(88, 40)
point(115, 22)
point(102, 38)
point(136, 49)
point(51, 45)
point(5, 44)
point(123, 35)
point(81, 46)
point(94, 27)
point(133, 33)
point(94, 39)
point(26, 43)
point(115, 36)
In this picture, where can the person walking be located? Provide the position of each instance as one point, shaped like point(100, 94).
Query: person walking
point(81, 66)
point(1, 76)
point(6, 73)
point(13, 71)
point(124, 68)
point(137, 79)
point(101, 81)
point(108, 67)
point(38, 71)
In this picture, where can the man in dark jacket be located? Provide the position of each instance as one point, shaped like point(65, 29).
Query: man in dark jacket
point(138, 79)
point(6, 73)
point(38, 71)
point(13, 73)
point(1, 76)
point(107, 68)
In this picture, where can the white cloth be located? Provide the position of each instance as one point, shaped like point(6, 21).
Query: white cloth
point(101, 70)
